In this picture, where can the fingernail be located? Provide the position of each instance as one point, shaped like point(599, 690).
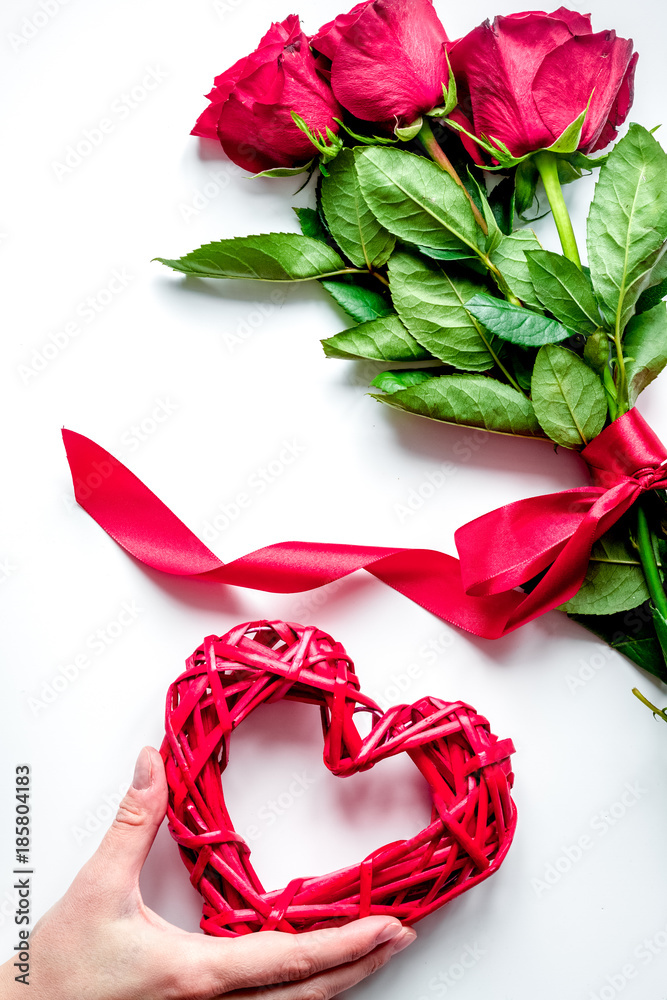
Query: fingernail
point(143, 772)
point(388, 933)
point(404, 940)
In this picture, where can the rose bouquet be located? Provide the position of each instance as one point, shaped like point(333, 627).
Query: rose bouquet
point(429, 155)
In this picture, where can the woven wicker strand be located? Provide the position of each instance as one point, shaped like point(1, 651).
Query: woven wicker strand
point(466, 767)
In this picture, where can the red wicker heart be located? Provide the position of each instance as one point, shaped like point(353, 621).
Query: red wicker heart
point(467, 769)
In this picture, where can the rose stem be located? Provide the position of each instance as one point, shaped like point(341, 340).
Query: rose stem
point(438, 155)
point(656, 711)
point(547, 164)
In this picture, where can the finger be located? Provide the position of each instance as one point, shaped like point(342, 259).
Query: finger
point(329, 984)
point(118, 861)
point(271, 957)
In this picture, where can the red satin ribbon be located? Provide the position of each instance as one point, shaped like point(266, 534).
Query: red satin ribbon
point(498, 551)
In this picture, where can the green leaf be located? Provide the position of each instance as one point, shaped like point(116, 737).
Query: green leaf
point(407, 133)
point(384, 339)
point(568, 397)
point(660, 626)
point(431, 304)
point(645, 348)
point(416, 200)
point(516, 324)
point(286, 171)
point(614, 579)
point(510, 259)
point(469, 400)
point(268, 257)
point(391, 382)
point(502, 200)
point(564, 290)
point(627, 224)
point(361, 303)
point(478, 194)
point(569, 139)
point(652, 295)
point(311, 224)
point(656, 288)
point(526, 179)
point(631, 633)
point(462, 254)
point(351, 222)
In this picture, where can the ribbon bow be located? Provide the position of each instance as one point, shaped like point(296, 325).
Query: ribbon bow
point(498, 552)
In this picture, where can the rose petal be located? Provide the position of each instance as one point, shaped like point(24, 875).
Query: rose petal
point(594, 64)
point(620, 108)
point(329, 36)
point(260, 137)
point(391, 62)
point(206, 125)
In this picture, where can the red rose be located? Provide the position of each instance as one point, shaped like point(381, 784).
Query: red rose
point(329, 37)
point(251, 103)
point(526, 77)
point(388, 59)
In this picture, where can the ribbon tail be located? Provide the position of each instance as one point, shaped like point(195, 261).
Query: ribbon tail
point(148, 530)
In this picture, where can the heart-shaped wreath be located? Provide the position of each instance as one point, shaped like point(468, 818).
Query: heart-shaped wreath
point(467, 769)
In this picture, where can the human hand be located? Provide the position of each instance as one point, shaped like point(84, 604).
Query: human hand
point(101, 942)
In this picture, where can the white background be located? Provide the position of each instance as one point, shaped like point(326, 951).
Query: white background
point(234, 375)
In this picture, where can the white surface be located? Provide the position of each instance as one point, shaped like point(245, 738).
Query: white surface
point(149, 189)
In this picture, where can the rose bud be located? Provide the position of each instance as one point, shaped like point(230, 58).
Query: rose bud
point(389, 59)
point(252, 102)
point(523, 79)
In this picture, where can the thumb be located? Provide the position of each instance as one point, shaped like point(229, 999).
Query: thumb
point(124, 849)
